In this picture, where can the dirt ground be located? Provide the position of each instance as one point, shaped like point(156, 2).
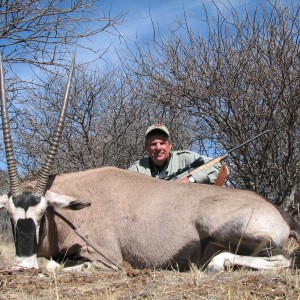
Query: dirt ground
point(146, 284)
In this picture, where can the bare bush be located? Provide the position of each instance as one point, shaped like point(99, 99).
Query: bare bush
point(41, 33)
point(239, 78)
point(105, 124)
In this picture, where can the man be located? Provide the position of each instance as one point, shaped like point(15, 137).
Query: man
point(162, 162)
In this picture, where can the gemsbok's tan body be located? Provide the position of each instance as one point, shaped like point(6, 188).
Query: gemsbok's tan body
point(154, 223)
point(130, 217)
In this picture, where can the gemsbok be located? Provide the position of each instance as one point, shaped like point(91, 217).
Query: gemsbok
point(125, 216)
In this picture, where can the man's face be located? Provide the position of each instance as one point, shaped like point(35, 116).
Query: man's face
point(158, 148)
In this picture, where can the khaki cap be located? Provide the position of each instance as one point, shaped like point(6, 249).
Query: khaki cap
point(157, 127)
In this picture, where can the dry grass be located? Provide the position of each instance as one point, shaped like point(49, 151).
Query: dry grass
point(148, 284)
point(145, 284)
point(7, 250)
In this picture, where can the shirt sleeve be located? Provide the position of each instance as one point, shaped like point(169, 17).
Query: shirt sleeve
point(132, 168)
point(141, 166)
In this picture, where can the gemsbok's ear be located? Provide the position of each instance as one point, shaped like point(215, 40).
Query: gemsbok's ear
point(3, 201)
point(65, 202)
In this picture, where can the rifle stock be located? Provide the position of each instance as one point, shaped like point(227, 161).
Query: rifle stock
point(223, 173)
point(206, 165)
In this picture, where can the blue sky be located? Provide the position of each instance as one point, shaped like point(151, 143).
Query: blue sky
point(137, 25)
point(141, 14)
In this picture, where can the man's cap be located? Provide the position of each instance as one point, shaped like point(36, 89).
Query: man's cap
point(157, 127)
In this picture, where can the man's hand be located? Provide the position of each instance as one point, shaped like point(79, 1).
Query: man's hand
point(184, 180)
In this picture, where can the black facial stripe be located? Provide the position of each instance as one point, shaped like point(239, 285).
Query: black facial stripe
point(13, 229)
point(41, 228)
point(26, 243)
point(26, 200)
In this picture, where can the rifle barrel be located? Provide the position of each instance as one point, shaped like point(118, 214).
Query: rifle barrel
point(203, 165)
point(247, 141)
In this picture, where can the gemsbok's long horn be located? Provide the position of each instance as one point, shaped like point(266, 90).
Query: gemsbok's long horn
point(15, 182)
point(41, 185)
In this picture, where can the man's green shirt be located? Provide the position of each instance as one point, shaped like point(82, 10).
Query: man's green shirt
point(177, 160)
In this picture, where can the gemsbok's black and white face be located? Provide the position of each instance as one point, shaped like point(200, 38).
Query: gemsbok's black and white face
point(26, 212)
point(27, 208)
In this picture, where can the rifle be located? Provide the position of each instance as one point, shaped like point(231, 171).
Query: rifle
point(199, 165)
